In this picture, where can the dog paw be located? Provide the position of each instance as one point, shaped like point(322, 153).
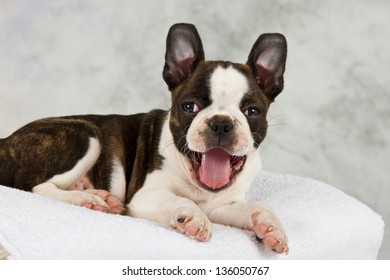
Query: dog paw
point(103, 201)
point(195, 224)
point(270, 231)
point(82, 198)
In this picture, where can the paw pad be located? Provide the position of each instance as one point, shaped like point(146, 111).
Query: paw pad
point(269, 231)
point(196, 226)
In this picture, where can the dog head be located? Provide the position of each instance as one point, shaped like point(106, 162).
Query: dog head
point(218, 114)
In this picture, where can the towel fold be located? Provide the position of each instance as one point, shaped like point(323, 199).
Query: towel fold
point(321, 222)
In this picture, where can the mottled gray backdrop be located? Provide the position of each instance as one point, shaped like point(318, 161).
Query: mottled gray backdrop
point(330, 123)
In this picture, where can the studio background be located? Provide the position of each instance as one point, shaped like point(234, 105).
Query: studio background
point(330, 123)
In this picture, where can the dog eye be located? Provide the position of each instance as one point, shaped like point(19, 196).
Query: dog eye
point(190, 107)
point(251, 112)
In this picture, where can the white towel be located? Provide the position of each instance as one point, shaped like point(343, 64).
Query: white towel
point(321, 222)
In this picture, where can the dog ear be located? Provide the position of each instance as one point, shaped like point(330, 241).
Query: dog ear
point(183, 53)
point(267, 60)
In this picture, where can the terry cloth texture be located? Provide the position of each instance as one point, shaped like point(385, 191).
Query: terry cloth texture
point(321, 223)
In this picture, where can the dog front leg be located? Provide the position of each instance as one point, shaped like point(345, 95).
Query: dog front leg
point(162, 206)
point(255, 216)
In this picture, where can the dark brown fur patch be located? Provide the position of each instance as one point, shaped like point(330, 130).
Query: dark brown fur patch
point(42, 149)
point(147, 158)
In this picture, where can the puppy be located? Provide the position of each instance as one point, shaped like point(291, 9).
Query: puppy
point(187, 168)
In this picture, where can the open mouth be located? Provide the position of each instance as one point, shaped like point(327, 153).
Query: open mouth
point(216, 168)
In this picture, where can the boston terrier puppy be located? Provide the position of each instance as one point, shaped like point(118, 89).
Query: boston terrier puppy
point(186, 168)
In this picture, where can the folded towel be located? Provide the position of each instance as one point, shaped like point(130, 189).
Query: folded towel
point(321, 222)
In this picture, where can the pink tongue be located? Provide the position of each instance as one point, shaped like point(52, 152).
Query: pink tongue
point(215, 169)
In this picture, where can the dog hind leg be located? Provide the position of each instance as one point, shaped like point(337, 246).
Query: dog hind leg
point(66, 187)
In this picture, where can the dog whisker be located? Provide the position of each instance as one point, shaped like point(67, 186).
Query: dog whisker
point(278, 124)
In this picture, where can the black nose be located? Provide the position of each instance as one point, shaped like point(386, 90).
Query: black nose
point(220, 125)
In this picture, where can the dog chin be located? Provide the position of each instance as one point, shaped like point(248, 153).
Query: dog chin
point(215, 169)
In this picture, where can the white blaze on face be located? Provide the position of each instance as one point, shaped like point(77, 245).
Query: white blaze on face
point(227, 87)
